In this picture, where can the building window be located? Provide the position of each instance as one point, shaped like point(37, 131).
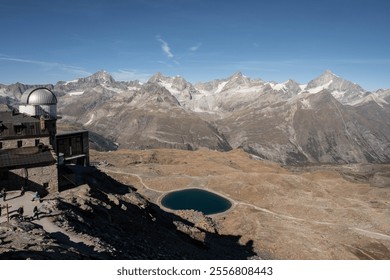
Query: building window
point(42, 123)
point(1, 145)
point(36, 142)
point(20, 143)
point(18, 129)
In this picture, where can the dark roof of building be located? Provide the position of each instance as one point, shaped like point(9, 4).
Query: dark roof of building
point(68, 133)
point(12, 117)
point(25, 158)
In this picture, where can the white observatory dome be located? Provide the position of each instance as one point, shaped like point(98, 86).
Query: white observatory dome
point(39, 102)
point(38, 96)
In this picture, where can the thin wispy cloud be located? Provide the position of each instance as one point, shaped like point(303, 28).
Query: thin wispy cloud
point(48, 65)
point(165, 47)
point(196, 47)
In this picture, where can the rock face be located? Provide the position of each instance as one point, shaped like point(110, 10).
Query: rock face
point(105, 219)
point(25, 240)
point(328, 120)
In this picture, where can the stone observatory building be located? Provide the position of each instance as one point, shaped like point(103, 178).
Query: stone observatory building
point(26, 137)
point(28, 150)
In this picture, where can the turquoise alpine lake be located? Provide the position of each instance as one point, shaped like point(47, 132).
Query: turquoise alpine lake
point(196, 199)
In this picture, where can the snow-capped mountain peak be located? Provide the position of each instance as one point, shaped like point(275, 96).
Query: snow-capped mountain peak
point(157, 77)
point(344, 91)
point(325, 78)
point(182, 90)
point(102, 77)
point(238, 78)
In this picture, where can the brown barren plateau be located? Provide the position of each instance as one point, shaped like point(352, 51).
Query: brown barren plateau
point(287, 213)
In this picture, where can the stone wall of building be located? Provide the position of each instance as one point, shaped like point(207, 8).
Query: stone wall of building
point(26, 142)
point(42, 179)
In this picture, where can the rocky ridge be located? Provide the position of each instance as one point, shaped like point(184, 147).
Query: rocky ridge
point(329, 120)
point(105, 219)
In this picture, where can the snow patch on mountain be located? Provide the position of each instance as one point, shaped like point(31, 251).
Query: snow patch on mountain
point(90, 120)
point(70, 82)
point(302, 87)
point(276, 86)
point(169, 86)
point(113, 89)
point(73, 93)
point(221, 87)
point(319, 87)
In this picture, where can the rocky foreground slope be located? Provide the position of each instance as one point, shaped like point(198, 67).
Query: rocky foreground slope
point(105, 219)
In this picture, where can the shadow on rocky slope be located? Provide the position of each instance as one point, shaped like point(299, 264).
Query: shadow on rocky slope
point(124, 225)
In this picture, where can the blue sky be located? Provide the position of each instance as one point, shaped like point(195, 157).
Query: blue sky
point(50, 40)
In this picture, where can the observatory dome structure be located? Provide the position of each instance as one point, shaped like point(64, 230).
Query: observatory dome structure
point(39, 102)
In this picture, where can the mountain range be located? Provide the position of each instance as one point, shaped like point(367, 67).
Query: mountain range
point(328, 120)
